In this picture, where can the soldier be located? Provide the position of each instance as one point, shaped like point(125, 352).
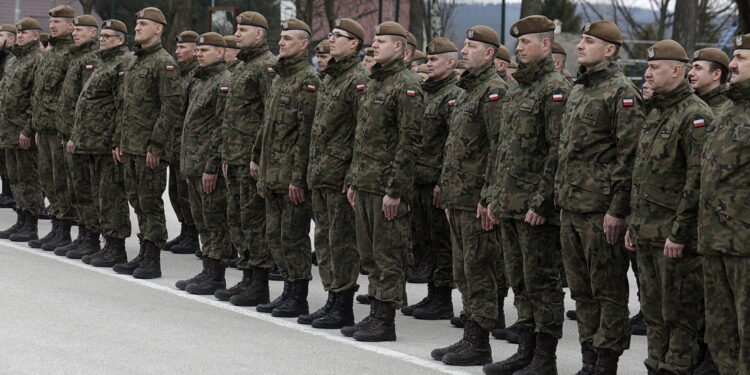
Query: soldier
point(48, 77)
point(424, 73)
point(664, 208)
point(592, 187)
point(331, 146)
point(369, 60)
point(418, 59)
point(282, 153)
point(230, 53)
point(723, 222)
point(97, 111)
point(323, 54)
point(460, 69)
point(411, 47)
point(512, 69)
point(522, 198)
point(381, 176)
point(151, 106)
point(179, 191)
point(17, 86)
point(85, 41)
point(560, 56)
point(501, 61)
point(7, 41)
point(44, 42)
point(474, 128)
point(708, 76)
point(201, 163)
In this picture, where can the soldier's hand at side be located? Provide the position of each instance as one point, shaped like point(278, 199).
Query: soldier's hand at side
point(224, 169)
point(629, 242)
point(296, 194)
point(673, 250)
point(209, 182)
point(152, 161)
point(254, 170)
point(351, 196)
point(117, 155)
point(489, 215)
point(24, 142)
point(447, 215)
point(344, 188)
point(390, 207)
point(36, 138)
point(436, 196)
point(487, 224)
point(70, 146)
point(534, 218)
point(613, 228)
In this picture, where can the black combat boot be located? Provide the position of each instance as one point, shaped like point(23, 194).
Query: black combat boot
point(275, 275)
point(707, 366)
point(545, 360)
point(20, 221)
point(182, 284)
point(268, 307)
point(189, 243)
point(476, 350)
point(308, 318)
point(349, 331)
point(150, 268)
point(460, 320)
point(440, 307)
point(28, 231)
point(571, 314)
point(606, 363)
point(256, 293)
point(89, 246)
point(409, 310)
point(437, 354)
point(37, 244)
point(226, 294)
point(588, 358)
point(176, 240)
point(296, 302)
point(382, 327)
point(83, 233)
point(112, 253)
point(364, 299)
point(340, 315)
point(127, 268)
point(638, 324)
point(522, 358)
point(61, 238)
point(213, 281)
point(233, 262)
point(510, 334)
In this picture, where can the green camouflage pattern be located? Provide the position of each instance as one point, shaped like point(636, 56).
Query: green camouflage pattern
point(23, 175)
point(49, 76)
point(80, 69)
point(54, 176)
point(247, 210)
point(187, 71)
point(335, 240)
point(210, 214)
point(715, 98)
point(144, 188)
point(431, 234)
point(16, 95)
point(288, 234)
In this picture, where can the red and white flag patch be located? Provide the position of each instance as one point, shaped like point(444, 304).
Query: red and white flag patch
point(697, 123)
point(89, 67)
point(169, 68)
point(121, 74)
point(361, 87)
point(629, 102)
point(411, 93)
point(270, 70)
point(493, 97)
point(451, 102)
point(224, 89)
point(310, 88)
point(557, 97)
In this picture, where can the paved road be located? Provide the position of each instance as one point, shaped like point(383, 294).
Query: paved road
point(61, 316)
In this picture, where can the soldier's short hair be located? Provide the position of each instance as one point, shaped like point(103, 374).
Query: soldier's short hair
point(712, 65)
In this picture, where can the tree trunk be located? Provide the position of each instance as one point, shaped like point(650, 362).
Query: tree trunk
point(87, 5)
point(530, 7)
point(417, 15)
point(743, 11)
point(685, 24)
point(179, 19)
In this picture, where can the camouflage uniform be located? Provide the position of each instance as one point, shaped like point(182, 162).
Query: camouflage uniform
point(178, 191)
point(92, 133)
point(664, 201)
point(48, 79)
point(330, 156)
point(715, 98)
point(151, 106)
point(474, 128)
point(431, 230)
point(201, 139)
point(597, 146)
point(526, 160)
point(723, 230)
point(284, 148)
point(243, 120)
point(385, 148)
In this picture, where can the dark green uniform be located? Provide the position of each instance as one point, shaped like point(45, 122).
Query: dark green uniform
point(715, 98)
point(178, 185)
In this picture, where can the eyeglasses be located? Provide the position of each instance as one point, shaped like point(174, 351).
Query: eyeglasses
point(105, 37)
point(335, 36)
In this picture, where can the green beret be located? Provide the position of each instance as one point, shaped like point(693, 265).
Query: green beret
point(350, 26)
point(369, 52)
point(712, 54)
point(502, 53)
point(558, 48)
point(211, 39)
point(231, 41)
point(115, 25)
point(513, 65)
point(532, 25)
point(411, 39)
point(604, 30)
point(62, 11)
point(418, 56)
point(323, 47)
point(295, 24)
point(252, 19)
point(667, 49)
point(441, 45)
point(153, 14)
point(423, 69)
point(85, 20)
point(187, 36)
point(390, 28)
point(742, 41)
point(484, 34)
point(28, 24)
point(9, 28)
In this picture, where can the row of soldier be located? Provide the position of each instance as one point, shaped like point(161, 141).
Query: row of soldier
point(491, 182)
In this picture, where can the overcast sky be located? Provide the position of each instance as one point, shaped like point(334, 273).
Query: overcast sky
point(637, 3)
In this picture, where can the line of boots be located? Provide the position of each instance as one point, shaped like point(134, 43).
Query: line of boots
point(598, 362)
point(146, 265)
point(335, 314)
point(86, 243)
point(186, 242)
point(208, 281)
point(25, 228)
point(379, 325)
point(535, 356)
point(438, 304)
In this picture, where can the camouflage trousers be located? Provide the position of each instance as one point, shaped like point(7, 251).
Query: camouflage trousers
point(728, 312)
point(533, 272)
point(246, 213)
point(672, 306)
point(179, 195)
point(475, 252)
point(55, 177)
point(383, 246)
point(85, 194)
point(209, 210)
point(288, 234)
point(432, 243)
point(597, 275)
point(145, 187)
point(23, 175)
point(335, 240)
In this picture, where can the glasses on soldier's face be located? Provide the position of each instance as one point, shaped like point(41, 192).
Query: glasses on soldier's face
point(336, 35)
point(106, 36)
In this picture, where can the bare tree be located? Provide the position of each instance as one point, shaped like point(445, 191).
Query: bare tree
point(441, 13)
point(87, 5)
point(743, 12)
point(684, 24)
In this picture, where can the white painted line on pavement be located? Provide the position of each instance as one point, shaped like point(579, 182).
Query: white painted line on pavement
point(430, 364)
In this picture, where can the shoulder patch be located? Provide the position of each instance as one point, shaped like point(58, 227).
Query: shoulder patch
point(270, 70)
point(121, 74)
point(169, 68)
point(699, 123)
point(310, 88)
point(493, 97)
point(452, 103)
point(628, 102)
point(89, 67)
point(558, 97)
point(224, 89)
point(361, 87)
point(411, 93)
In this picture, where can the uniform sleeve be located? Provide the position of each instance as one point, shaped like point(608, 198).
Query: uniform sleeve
point(213, 157)
point(492, 112)
point(410, 107)
point(118, 93)
point(305, 116)
point(170, 94)
point(26, 126)
point(628, 119)
point(357, 89)
point(265, 81)
point(66, 100)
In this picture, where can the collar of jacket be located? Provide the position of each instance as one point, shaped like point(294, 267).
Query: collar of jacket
point(669, 99)
point(140, 51)
point(528, 73)
point(113, 52)
point(249, 53)
point(87, 47)
point(716, 91)
point(471, 80)
point(380, 72)
point(599, 72)
point(435, 86)
point(61, 40)
point(187, 66)
point(203, 72)
point(21, 51)
point(503, 76)
point(739, 93)
point(336, 68)
point(288, 66)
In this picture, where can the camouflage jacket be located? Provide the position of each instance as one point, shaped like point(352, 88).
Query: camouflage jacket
point(201, 133)
point(187, 70)
point(233, 65)
point(151, 103)
point(49, 76)
point(16, 87)
point(473, 132)
point(285, 141)
point(5, 57)
point(243, 116)
point(440, 97)
point(388, 132)
point(715, 98)
point(99, 107)
point(724, 221)
point(598, 139)
point(526, 157)
point(80, 69)
point(666, 173)
point(335, 120)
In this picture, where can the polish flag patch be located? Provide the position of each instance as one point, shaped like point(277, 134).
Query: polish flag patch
point(89, 67)
point(169, 68)
point(224, 89)
point(557, 97)
point(411, 93)
point(451, 103)
point(699, 123)
point(270, 70)
point(121, 74)
point(493, 97)
point(360, 87)
point(628, 102)
point(310, 88)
